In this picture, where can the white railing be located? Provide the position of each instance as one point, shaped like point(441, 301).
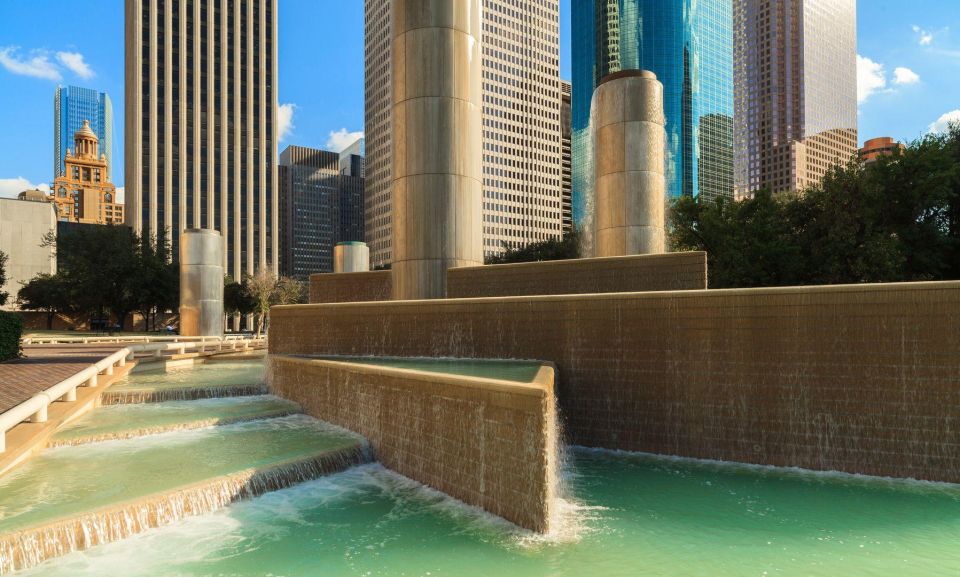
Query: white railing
point(34, 409)
point(54, 340)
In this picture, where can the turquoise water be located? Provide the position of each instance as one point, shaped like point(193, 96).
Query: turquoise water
point(517, 371)
point(120, 419)
point(67, 481)
point(206, 374)
point(635, 516)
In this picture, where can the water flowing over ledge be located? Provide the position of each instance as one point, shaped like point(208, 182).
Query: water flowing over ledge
point(31, 547)
point(169, 428)
point(119, 396)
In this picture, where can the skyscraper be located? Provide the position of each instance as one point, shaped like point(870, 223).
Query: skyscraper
point(201, 130)
point(71, 106)
point(566, 130)
point(84, 192)
point(688, 45)
point(321, 204)
point(522, 154)
point(796, 91)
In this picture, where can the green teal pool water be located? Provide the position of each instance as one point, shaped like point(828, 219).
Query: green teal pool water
point(66, 481)
point(633, 515)
point(204, 374)
point(517, 371)
point(117, 419)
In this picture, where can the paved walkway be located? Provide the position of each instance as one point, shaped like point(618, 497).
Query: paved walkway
point(44, 366)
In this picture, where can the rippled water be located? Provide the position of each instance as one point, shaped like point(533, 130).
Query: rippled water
point(66, 481)
point(122, 419)
point(208, 374)
point(634, 516)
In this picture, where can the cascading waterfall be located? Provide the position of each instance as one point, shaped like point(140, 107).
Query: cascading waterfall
point(118, 396)
point(168, 428)
point(31, 547)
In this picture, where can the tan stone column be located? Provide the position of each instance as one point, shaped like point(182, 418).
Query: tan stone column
point(627, 127)
point(201, 283)
point(437, 154)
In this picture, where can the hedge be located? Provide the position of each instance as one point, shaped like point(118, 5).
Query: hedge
point(11, 327)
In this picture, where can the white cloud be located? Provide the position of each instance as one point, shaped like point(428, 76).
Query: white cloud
point(11, 187)
point(943, 123)
point(120, 195)
point(903, 75)
point(340, 139)
point(38, 66)
point(924, 38)
point(74, 61)
point(284, 120)
point(871, 78)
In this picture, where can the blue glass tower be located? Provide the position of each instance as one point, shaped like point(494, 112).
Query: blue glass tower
point(688, 44)
point(72, 105)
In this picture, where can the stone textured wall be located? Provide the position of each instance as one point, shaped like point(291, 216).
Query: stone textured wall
point(350, 287)
point(863, 379)
point(489, 443)
point(672, 271)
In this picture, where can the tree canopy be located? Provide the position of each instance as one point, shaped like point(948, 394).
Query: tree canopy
point(897, 219)
point(552, 249)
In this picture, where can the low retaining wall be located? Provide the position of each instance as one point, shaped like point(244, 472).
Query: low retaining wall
point(863, 379)
point(486, 442)
point(350, 287)
point(660, 272)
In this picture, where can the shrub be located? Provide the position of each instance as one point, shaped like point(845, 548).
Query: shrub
point(11, 327)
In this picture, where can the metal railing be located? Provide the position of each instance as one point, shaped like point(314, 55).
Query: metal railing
point(54, 340)
point(35, 408)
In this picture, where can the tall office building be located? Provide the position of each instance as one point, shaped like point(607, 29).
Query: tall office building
point(796, 91)
point(566, 173)
point(201, 128)
point(522, 154)
point(73, 105)
point(688, 44)
point(321, 204)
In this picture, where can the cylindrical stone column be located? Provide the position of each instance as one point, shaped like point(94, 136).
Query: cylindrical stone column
point(627, 126)
point(201, 283)
point(437, 154)
point(351, 257)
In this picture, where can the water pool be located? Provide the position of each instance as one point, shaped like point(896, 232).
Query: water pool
point(206, 374)
point(72, 480)
point(121, 420)
point(637, 516)
point(517, 371)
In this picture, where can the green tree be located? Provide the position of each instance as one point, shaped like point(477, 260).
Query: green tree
point(101, 264)
point(4, 296)
point(289, 291)
point(158, 280)
point(567, 247)
point(897, 219)
point(48, 293)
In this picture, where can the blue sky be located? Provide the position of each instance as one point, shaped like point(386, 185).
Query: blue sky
point(909, 71)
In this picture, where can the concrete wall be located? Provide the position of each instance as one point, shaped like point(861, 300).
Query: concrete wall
point(22, 227)
point(350, 287)
point(488, 443)
point(863, 378)
point(672, 271)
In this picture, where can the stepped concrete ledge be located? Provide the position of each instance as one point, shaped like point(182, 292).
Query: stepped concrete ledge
point(45, 365)
point(862, 379)
point(31, 546)
point(131, 395)
point(488, 442)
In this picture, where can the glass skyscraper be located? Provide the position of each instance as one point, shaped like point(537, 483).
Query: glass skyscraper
point(71, 106)
point(688, 44)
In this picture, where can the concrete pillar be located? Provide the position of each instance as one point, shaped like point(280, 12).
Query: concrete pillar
point(437, 149)
point(201, 283)
point(351, 257)
point(627, 127)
